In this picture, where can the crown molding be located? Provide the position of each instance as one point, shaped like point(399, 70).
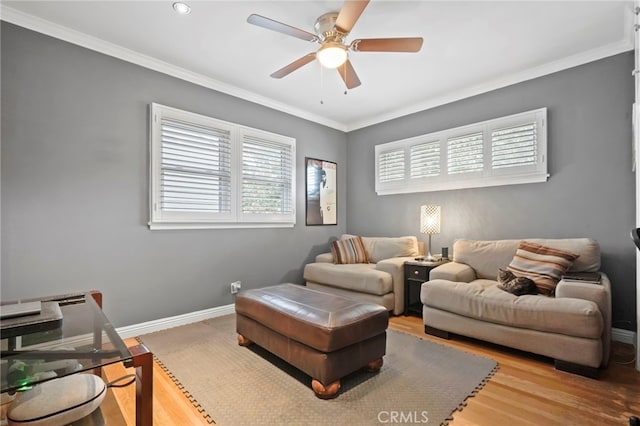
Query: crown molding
point(49, 28)
point(629, 20)
point(612, 49)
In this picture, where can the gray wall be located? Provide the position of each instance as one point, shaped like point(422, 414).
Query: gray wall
point(75, 187)
point(590, 192)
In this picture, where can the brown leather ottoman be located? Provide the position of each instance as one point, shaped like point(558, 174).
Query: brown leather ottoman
point(324, 335)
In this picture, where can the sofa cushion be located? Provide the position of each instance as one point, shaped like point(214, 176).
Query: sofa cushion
point(483, 300)
point(379, 248)
point(542, 264)
point(485, 257)
point(350, 250)
point(358, 277)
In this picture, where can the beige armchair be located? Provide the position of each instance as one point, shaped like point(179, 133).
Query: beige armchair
point(381, 281)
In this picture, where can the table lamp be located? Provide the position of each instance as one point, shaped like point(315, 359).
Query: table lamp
point(430, 224)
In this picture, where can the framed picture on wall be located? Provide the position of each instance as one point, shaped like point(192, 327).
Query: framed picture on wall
point(321, 191)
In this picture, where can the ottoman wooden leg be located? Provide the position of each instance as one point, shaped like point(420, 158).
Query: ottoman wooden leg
point(374, 365)
point(243, 341)
point(325, 392)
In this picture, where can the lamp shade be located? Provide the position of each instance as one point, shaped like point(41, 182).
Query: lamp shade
point(332, 55)
point(430, 219)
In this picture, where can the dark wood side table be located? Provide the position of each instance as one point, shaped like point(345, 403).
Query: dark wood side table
point(416, 272)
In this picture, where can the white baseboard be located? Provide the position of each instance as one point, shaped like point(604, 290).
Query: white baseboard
point(170, 322)
point(617, 334)
point(624, 336)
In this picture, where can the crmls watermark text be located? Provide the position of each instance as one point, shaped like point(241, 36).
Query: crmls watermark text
point(403, 417)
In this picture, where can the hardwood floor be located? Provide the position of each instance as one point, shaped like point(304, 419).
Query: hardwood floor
point(526, 390)
point(170, 405)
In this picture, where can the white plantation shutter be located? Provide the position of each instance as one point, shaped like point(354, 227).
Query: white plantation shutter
point(391, 166)
point(502, 151)
point(209, 173)
point(425, 160)
point(266, 176)
point(196, 168)
point(464, 153)
point(514, 146)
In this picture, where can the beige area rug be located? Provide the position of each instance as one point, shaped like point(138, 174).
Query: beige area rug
point(421, 382)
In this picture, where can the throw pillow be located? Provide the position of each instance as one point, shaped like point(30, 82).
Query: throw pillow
point(350, 250)
point(543, 265)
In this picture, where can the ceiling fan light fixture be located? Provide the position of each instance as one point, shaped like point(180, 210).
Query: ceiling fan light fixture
point(182, 8)
point(332, 55)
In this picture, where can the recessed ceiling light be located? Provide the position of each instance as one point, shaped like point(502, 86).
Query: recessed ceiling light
point(181, 8)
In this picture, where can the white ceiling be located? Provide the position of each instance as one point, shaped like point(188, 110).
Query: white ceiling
point(469, 47)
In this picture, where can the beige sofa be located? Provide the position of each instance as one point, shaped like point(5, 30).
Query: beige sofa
point(380, 281)
point(573, 327)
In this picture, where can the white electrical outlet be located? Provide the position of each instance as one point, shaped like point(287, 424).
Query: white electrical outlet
point(235, 286)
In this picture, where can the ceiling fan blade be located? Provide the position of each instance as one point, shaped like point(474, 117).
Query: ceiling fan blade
point(282, 72)
point(272, 25)
point(349, 14)
point(349, 75)
point(409, 44)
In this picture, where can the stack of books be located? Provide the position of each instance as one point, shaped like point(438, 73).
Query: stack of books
point(583, 277)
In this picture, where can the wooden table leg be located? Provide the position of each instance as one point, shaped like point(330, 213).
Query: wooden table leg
point(143, 363)
point(97, 328)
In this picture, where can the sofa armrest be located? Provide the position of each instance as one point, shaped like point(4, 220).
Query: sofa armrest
point(453, 271)
point(324, 258)
point(600, 294)
point(395, 267)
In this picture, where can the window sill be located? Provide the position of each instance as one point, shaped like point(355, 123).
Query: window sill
point(155, 226)
point(463, 184)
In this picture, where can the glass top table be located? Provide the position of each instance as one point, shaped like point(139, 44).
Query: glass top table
point(71, 334)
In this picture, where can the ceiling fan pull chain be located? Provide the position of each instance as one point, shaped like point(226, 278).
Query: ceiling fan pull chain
point(321, 85)
point(344, 68)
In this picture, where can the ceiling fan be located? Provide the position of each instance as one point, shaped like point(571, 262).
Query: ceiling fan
point(331, 31)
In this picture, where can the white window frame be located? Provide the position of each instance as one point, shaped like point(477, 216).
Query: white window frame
point(482, 178)
point(162, 219)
